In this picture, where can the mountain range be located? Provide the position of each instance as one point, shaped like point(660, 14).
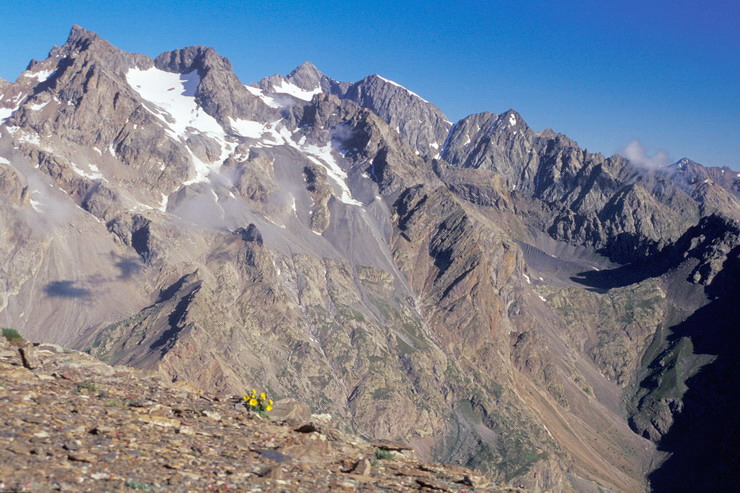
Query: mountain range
point(496, 296)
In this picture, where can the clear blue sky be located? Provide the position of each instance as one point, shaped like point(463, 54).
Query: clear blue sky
point(603, 72)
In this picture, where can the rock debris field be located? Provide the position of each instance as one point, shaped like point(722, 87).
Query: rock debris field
point(73, 423)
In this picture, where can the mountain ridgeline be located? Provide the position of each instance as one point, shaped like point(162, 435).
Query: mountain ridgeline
point(495, 296)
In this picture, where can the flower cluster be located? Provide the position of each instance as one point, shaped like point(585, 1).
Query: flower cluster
point(259, 404)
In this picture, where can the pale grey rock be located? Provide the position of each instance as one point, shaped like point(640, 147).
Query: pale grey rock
point(421, 125)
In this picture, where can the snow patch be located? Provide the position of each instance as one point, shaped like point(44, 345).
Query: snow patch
point(512, 120)
point(247, 128)
point(37, 205)
point(174, 94)
point(6, 112)
point(318, 155)
point(295, 91)
point(40, 76)
point(542, 298)
point(163, 204)
point(29, 138)
point(527, 278)
point(38, 106)
point(93, 174)
point(267, 99)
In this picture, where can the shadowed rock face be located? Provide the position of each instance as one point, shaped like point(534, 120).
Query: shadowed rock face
point(344, 245)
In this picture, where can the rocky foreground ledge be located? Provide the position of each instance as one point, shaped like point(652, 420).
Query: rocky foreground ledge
point(73, 423)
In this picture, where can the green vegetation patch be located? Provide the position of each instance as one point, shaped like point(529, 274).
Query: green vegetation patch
point(381, 454)
point(13, 336)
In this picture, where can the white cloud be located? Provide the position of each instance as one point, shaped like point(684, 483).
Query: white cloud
point(637, 154)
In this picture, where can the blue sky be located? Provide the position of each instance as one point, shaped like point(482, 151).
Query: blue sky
point(603, 72)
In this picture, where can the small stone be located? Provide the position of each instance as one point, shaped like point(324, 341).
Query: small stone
point(50, 348)
point(468, 481)
point(19, 448)
point(71, 446)
point(392, 446)
point(102, 429)
point(273, 455)
point(363, 467)
point(190, 475)
point(404, 471)
point(432, 485)
point(270, 473)
point(323, 418)
point(307, 428)
point(29, 356)
point(185, 430)
point(81, 457)
point(291, 411)
point(160, 421)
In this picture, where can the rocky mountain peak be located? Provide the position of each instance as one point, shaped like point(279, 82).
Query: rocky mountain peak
point(80, 37)
point(419, 123)
point(218, 90)
point(690, 175)
point(512, 119)
point(86, 43)
point(306, 76)
point(80, 40)
point(200, 58)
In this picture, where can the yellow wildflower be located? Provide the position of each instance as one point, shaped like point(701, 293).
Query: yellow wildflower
point(269, 402)
point(268, 408)
point(253, 402)
point(263, 396)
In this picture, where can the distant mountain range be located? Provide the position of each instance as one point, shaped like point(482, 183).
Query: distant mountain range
point(494, 295)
